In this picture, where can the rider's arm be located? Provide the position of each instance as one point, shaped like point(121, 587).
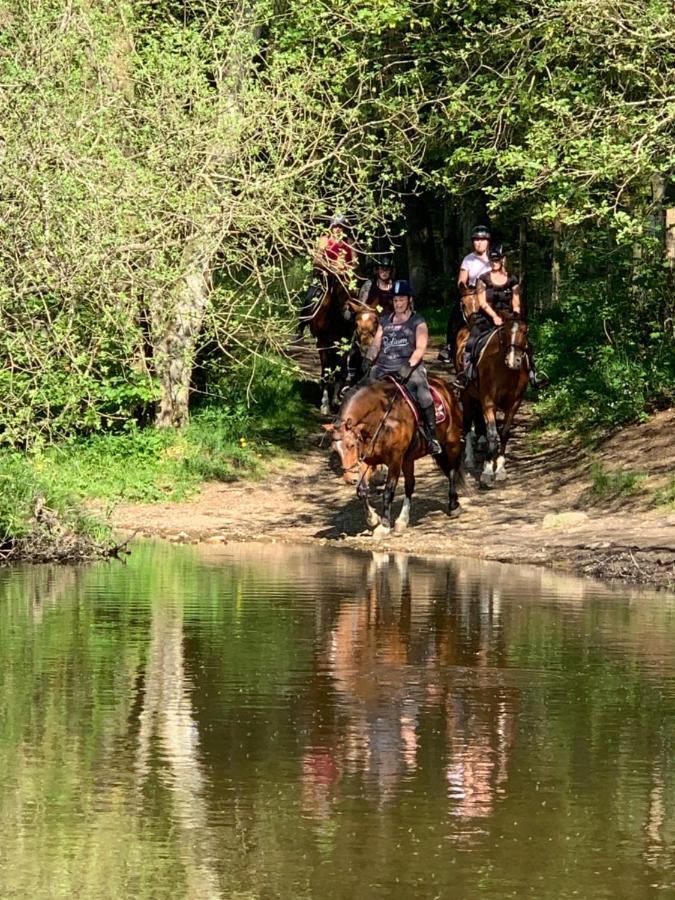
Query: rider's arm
point(463, 279)
point(374, 349)
point(515, 301)
point(485, 306)
point(365, 290)
point(421, 341)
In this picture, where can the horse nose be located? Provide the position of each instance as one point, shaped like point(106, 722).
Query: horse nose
point(351, 477)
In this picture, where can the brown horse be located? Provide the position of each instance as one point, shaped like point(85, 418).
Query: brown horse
point(376, 426)
point(500, 383)
point(332, 326)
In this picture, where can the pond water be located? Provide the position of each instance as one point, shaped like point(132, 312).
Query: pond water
point(257, 721)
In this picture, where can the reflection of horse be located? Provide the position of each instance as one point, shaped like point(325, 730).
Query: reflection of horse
point(377, 426)
point(500, 383)
point(331, 325)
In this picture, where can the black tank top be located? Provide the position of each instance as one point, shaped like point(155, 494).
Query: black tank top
point(379, 297)
point(398, 341)
point(499, 296)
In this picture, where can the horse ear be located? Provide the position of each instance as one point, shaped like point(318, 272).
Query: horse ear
point(330, 427)
point(348, 425)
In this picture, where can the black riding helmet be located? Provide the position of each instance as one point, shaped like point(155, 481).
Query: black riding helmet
point(496, 252)
point(384, 262)
point(480, 232)
point(403, 289)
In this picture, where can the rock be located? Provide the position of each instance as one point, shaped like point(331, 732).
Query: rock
point(216, 539)
point(564, 519)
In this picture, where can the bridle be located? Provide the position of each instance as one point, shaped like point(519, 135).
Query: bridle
point(514, 353)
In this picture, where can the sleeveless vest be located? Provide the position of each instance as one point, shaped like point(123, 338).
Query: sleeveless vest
point(398, 342)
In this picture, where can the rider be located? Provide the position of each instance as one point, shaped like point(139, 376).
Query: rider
point(398, 350)
point(497, 292)
point(473, 266)
point(378, 292)
point(334, 257)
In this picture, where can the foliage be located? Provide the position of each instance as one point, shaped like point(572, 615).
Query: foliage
point(608, 485)
point(227, 438)
point(39, 518)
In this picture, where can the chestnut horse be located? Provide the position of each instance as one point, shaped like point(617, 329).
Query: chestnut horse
point(376, 426)
point(332, 326)
point(499, 385)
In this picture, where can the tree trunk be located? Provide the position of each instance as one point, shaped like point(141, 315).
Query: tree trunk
point(419, 245)
point(176, 338)
point(522, 265)
point(555, 264)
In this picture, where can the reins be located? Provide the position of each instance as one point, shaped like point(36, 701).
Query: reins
point(375, 436)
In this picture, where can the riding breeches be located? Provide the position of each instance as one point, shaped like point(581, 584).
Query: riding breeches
point(417, 384)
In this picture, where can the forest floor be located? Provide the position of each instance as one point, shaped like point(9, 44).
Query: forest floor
point(591, 511)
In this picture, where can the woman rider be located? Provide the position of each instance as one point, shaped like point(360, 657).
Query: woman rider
point(378, 292)
point(498, 292)
point(398, 349)
point(334, 256)
point(473, 266)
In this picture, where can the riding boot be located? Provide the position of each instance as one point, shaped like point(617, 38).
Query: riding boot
point(463, 378)
point(429, 429)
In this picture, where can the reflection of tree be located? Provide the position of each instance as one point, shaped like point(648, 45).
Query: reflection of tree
point(166, 715)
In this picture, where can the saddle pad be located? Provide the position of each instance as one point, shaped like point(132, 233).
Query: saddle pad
point(481, 345)
point(439, 406)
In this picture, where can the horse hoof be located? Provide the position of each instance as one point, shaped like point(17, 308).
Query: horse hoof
point(324, 409)
point(455, 511)
point(400, 527)
point(382, 531)
point(373, 521)
point(500, 475)
point(486, 481)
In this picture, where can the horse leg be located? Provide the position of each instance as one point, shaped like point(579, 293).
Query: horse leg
point(324, 357)
point(451, 471)
point(394, 471)
point(372, 518)
point(403, 519)
point(488, 474)
point(500, 473)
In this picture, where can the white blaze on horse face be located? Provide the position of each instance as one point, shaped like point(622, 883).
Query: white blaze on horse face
point(512, 360)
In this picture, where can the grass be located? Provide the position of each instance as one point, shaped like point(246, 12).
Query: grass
point(226, 439)
point(665, 496)
point(607, 485)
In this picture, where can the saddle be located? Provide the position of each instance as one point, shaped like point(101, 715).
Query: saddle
point(439, 406)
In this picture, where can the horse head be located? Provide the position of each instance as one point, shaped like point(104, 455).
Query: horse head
point(347, 441)
point(515, 332)
point(366, 321)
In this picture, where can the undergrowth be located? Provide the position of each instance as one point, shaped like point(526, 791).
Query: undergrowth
point(607, 485)
point(227, 438)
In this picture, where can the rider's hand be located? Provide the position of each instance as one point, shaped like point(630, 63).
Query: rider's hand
point(498, 321)
point(404, 373)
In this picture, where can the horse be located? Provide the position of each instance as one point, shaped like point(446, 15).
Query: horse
point(331, 325)
point(376, 426)
point(502, 375)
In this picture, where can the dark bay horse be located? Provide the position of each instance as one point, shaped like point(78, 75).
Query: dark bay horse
point(500, 383)
point(376, 426)
point(332, 327)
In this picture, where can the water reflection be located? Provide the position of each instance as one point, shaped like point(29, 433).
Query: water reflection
point(292, 722)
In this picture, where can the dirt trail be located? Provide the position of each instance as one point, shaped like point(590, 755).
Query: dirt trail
point(545, 513)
